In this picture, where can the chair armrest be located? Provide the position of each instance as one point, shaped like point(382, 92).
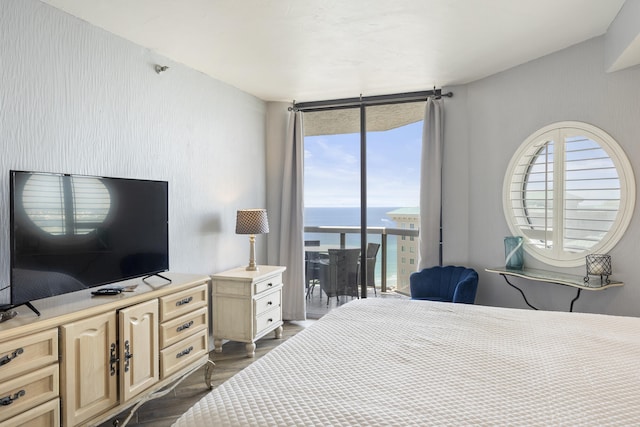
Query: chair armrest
point(466, 290)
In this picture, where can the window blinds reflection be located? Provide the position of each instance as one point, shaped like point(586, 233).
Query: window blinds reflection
point(64, 205)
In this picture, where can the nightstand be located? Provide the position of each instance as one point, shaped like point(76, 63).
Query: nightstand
point(247, 305)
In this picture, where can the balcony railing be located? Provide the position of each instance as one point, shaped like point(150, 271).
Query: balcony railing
point(384, 232)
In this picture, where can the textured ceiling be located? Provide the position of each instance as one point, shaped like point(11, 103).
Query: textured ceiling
point(325, 49)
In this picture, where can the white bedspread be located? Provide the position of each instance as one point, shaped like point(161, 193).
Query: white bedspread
point(397, 362)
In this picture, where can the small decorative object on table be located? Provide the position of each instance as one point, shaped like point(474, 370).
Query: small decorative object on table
point(513, 252)
point(599, 265)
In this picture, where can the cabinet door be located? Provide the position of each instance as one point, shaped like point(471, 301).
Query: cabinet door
point(139, 350)
point(89, 367)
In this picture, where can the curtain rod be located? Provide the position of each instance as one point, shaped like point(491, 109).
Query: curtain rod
point(399, 98)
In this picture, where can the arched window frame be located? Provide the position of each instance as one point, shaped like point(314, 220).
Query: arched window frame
point(515, 208)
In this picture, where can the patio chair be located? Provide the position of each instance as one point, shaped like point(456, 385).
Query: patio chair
point(372, 253)
point(340, 276)
point(313, 261)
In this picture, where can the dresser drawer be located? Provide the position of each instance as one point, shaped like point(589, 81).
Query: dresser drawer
point(174, 305)
point(28, 390)
point(268, 319)
point(45, 415)
point(28, 353)
point(268, 302)
point(179, 328)
point(268, 283)
point(183, 353)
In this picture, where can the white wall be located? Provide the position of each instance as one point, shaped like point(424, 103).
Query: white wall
point(76, 99)
point(485, 126)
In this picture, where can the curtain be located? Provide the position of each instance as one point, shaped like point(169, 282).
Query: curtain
point(291, 249)
point(430, 250)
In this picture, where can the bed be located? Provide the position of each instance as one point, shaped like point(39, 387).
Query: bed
point(383, 362)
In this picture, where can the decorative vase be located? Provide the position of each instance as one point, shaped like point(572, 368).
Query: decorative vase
point(514, 252)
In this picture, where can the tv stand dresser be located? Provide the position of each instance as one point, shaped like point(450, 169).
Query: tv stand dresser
point(88, 358)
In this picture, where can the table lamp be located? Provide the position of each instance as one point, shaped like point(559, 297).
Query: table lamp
point(252, 222)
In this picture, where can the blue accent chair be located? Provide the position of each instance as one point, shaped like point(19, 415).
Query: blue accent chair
point(449, 284)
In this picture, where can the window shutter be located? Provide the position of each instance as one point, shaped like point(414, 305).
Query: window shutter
point(591, 194)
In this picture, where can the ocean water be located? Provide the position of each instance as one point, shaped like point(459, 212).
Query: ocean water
point(376, 217)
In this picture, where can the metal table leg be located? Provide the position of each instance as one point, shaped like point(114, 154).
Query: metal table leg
point(575, 299)
point(525, 298)
point(520, 290)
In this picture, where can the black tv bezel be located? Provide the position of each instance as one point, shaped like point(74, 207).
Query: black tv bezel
point(12, 174)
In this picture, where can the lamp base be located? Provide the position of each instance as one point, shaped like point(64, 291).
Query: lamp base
point(252, 254)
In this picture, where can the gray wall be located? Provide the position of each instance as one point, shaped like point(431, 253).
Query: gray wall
point(486, 122)
point(76, 99)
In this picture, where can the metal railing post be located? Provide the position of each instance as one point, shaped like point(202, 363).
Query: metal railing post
point(383, 267)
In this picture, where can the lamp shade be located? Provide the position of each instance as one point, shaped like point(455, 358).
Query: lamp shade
point(252, 221)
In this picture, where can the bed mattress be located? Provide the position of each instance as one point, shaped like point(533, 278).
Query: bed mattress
point(384, 362)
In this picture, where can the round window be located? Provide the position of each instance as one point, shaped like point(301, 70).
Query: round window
point(569, 191)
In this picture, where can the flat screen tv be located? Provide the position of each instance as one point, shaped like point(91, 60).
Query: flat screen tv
point(72, 232)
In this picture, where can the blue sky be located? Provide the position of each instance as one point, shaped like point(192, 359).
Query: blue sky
point(332, 168)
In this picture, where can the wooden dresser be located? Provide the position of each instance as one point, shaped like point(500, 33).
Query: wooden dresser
point(88, 358)
point(247, 305)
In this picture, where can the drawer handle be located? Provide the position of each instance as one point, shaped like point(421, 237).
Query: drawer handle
point(113, 360)
point(269, 284)
point(184, 352)
point(127, 355)
point(8, 400)
point(6, 358)
point(185, 326)
point(269, 303)
point(184, 301)
point(269, 320)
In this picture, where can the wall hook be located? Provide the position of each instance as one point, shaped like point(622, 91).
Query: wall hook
point(161, 68)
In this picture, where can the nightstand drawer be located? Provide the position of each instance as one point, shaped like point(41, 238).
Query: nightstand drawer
point(28, 390)
point(268, 302)
point(174, 330)
point(180, 303)
point(268, 319)
point(181, 354)
point(268, 283)
point(45, 415)
point(28, 353)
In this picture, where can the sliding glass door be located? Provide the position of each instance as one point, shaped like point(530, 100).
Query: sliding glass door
point(380, 147)
point(394, 141)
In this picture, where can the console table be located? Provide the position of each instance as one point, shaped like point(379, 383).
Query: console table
point(572, 280)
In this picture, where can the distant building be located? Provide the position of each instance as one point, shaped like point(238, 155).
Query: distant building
point(407, 245)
